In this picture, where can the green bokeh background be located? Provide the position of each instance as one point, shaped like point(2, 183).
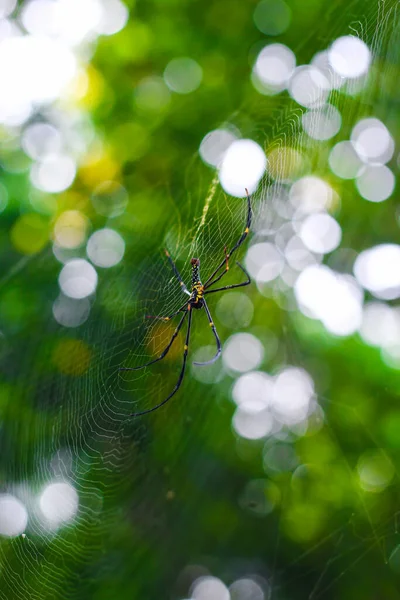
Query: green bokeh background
point(179, 487)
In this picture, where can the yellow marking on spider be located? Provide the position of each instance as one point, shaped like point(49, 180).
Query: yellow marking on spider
point(198, 288)
point(181, 283)
point(185, 347)
point(211, 324)
point(246, 230)
point(167, 253)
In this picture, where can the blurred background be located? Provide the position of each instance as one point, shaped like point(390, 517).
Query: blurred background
point(127, 127)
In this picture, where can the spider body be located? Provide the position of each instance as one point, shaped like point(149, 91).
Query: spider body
point(196, 297)
point(197, 301)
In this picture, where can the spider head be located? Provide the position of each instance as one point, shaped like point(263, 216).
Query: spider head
point(195, 262)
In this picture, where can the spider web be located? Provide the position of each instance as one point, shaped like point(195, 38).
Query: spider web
point(141, 480)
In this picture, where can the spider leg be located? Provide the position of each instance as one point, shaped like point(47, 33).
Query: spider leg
point(219, 350)
point(170, 316)
point(217, 278)
point(177, 274)
point(235, 247)
point(181, 374)
point(163, 353)
point(234, 285)
point(223, 272)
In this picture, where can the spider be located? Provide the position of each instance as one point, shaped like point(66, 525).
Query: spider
point(197, 301)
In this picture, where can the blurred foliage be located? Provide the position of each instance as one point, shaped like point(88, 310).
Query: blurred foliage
point(178, 487)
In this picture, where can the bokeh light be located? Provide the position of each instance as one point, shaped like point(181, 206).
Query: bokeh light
point(54, 174)
point(273, 68)
point(378, 270)
point(78, 279)
point(330, 297)
point(242, 167)
point(279, 458)
point(152, 94)
point(70, 229)
point(259, 498)
point(235, 310)
point(71, 21)
point(375, 471)
point(372, 141)
point(253, 391)
point(250, 425)
point(266, 403)
point(292, 394)
point(322, 123)
point(375, 183)
point(105, 248)
point(209, 588)
point(110, 199)
point(246, 589)
point(13, 516)
point(214, 146)
point(243, 352)
point(380, 324)
point(321, 61)
point(36, 69)
point(30, 233)
point(272, 17)
point(349, 56)
point(309, 87)
point(40, 140)
point(183, 75)
point(298, 256)
point(113, 18)
point(321, 233)
point(58, 503)
point(311, 194)
point(69, 312)
point(264, 262)
point(391, 355)
point(344, 160)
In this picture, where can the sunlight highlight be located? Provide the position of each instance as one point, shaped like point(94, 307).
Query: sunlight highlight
point(273, 69)
point(378, 270)
point(349, 57)
point(214, 146)
point(105, 248)
point(78, 279)
point(243, 352)
point(330, 297)
point(243, 166)
point(13, 516)
point(59, 503)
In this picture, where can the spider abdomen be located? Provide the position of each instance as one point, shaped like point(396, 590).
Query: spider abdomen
point(196, 299)
point(197, 303)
